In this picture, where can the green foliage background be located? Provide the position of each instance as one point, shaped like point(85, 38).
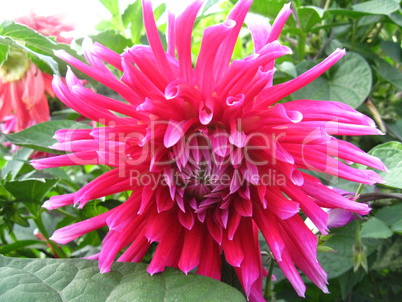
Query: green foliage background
point(363, 259)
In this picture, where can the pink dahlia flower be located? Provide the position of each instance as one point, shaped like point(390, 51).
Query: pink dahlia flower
point(211, 156)
point(23, 86)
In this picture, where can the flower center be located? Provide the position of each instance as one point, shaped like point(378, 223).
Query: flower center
point(206, 170)
point(16, 65)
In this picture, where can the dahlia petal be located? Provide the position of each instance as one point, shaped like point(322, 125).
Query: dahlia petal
point(186, 219)
point(267, 223)
point(291, 273)
point(191, 252)
point(259, 28)
point(175, 131)
point(233, 251)
point(71, 232)
point(302, 248)
point(213, 38)
point(275, 93)
point(183, 31)
point(281, 206)
point(59, 201)
point(225, 51)
point(250, 270)
point(66, 135)
point(210, 261)
point(136, 251)
point(330, 199)
point(328, 110)
point(170, 36)
point(71, 159)
point(154, 40)
point(168, 250)
point(107, 55)
point(279, 22)
point(115, 241)
point(127, 93)
point(309, 207)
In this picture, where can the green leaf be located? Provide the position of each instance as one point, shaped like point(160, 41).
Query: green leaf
point(392, 216)
point(377, 7)
point(38, 46)
point(49, 61)
point(30, 190)
point(335, 264)
point(80, 280)
point(268, 8)
point(40, 136)
point(18, 245)
point(14, 165)
point(112, 6)
point(391, 155)
point(396, 18)
point(309, 17)
point(390, 73)
point(349, 81)
point(393, 50)
point(375, 228)
point(112, 40)
point(4, 49)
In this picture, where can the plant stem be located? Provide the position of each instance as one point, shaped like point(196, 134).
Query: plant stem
point(359, 190)
point(56, 249)
point(268, 294)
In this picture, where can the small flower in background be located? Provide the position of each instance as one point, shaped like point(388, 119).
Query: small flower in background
point(210, 154)
point(23, 86)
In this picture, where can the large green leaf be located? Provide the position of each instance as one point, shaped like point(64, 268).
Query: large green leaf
point(335, 264)
point(390, 73)
point(391, 155)
point(375, 228)
point(392, 216)
point(40, 136)
point(30, 190)
point(38, 46)
point(309, 17)
point(377, 7)
point(80, 280)
point(113, 40)
point(349, 81)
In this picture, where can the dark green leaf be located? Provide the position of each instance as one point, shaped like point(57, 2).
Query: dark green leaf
point(377, 7)
point(309, 17)
point(14, 165)
point(30, 190)
point(391, 155)
point(335, 264)
point(375, 228)
point(390, 257)
point(392, 216)
point(349, 81)
point(393, 50)
point(40, 136)
point(80, 280)
point(396, 17)
point(390, 73)
point(18, 245)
